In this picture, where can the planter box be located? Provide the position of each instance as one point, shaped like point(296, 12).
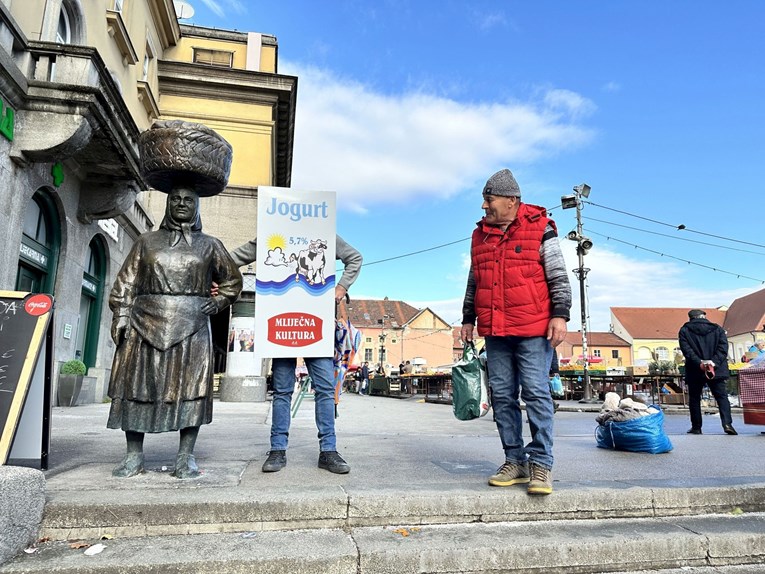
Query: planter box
point(68, 391)
point(754, 414)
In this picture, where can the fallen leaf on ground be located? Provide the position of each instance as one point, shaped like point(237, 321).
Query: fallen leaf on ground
point(77, 544)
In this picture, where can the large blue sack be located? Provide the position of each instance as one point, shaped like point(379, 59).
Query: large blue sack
point(642, 434)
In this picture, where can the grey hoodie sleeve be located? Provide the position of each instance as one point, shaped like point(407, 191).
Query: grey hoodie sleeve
point(245, 254)
point(556, 274)
point(352, 261)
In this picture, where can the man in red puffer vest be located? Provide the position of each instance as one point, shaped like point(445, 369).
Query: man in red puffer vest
point(519, 291)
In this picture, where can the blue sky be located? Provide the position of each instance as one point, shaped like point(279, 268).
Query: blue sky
point(406, 107)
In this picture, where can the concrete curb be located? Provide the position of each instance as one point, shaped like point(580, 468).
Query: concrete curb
point(553, 547)
point(160, 512)
point(22, 499)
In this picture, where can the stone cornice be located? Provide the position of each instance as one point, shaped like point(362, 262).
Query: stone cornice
point(226, 84)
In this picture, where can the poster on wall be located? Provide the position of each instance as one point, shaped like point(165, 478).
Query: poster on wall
point(295, 285)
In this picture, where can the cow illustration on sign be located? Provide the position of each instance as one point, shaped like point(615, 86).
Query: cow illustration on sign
point(311, 262)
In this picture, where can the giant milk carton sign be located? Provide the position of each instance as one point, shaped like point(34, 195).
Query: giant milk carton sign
point(295, 285)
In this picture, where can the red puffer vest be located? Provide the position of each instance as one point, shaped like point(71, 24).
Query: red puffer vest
point(511, 296)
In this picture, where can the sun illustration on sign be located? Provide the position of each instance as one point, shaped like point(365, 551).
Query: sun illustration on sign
point(275, 241)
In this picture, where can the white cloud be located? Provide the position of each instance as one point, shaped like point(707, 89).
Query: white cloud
point(491, 20)
point(612, 87)
point(221, 9)
point(616, 280)
point(372, 147)
point(215, 7)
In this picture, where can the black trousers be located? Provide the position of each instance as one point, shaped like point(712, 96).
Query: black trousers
point(717, 386)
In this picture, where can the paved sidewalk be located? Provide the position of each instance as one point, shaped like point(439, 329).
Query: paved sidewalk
point(405, 444)
point(415, 470)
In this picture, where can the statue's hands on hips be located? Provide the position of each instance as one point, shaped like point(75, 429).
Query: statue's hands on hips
point(214, 289)
point(214, 304)
point(119, 328)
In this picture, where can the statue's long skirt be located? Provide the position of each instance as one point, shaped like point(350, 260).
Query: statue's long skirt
point(158, 391)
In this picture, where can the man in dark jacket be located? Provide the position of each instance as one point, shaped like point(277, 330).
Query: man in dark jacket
point(705, 348)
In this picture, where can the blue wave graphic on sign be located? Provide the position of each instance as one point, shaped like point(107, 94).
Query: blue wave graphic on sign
point(281, 287)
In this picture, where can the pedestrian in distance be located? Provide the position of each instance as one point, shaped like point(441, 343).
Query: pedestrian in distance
point(321, 370)
point(364, 379)
point(705, 348)
point(518, 290)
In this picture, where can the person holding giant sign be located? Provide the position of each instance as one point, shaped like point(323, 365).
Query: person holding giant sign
point(321, 370)
point(162, 375)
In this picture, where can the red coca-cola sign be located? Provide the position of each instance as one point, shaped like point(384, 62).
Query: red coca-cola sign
point(38, 304)
point(294, 329)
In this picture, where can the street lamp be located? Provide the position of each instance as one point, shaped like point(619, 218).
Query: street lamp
point(583, 246)
point(382, 343)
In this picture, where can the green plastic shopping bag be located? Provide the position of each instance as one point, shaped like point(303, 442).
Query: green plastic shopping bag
point(470, 396)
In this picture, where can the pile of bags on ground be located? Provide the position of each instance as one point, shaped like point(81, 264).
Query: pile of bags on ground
point(625, 424)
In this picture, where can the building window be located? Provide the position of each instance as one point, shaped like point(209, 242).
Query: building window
point(64, 30)
point(145, 70)
point(596, 353)
point(662, 354)
point(369, 339)
point(86, 341)
point(368, 355)
point(213, 57)
point(614, 353)
point(118, 5)
point(38, 252)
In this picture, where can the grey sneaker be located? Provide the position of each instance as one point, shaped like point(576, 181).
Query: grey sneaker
point(333, 462)
point(509, 474)
point(541, 480)
point(277, 460)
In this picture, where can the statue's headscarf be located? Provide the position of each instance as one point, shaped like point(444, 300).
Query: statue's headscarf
point(178, 229)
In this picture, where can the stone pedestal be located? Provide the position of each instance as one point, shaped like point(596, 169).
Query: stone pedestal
point(242, 389)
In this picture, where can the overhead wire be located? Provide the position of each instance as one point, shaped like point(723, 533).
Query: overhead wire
point(681, 227)
point(673, 236)
point(738, 275)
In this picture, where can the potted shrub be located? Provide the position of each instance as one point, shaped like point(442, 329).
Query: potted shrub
point(70, 382)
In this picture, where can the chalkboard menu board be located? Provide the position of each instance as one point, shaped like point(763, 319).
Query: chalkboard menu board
point(24, 319)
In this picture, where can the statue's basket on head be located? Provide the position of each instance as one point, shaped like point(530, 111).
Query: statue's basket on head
point(176, 153)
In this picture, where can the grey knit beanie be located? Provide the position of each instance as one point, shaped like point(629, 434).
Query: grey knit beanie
point(502, 183)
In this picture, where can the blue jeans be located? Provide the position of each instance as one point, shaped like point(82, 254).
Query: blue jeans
point(518, 366)
point(322, 372)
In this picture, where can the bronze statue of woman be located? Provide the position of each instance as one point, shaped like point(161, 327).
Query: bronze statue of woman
point(162, 375)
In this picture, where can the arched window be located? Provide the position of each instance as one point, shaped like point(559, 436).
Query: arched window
point(86, 343)
point(64, 30)
point(38, 252)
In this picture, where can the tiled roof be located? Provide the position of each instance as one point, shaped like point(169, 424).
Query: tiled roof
point(368, 312)
point(598, 338)
point(746, 314)
point(658, 322)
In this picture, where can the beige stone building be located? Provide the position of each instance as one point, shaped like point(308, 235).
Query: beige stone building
point(395, 332)
point(79, 81)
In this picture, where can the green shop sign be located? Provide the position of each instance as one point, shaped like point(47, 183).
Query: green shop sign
point(6, 120)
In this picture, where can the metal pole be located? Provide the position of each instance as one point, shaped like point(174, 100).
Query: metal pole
point(582, 273)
